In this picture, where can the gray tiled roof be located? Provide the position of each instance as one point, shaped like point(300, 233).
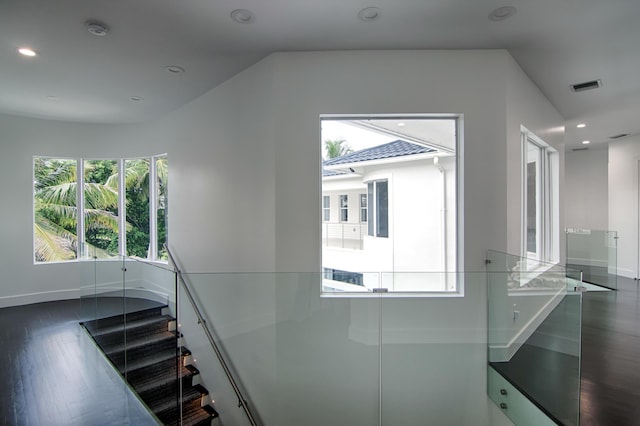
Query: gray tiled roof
point(327, 173)
point(393, 149)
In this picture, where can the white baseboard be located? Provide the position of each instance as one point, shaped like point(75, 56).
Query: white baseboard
point(143, 290)
point(628, 273)
point(39, 297)
point(505, 352)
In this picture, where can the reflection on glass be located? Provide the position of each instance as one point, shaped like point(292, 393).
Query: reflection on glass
point(594, 254)
point(534, 327)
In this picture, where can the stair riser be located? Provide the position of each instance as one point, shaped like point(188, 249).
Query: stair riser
point(120, 319)
point(171, 388)
point(118, 358)
point(118, 337)
point(155, 377)
point(173, 412)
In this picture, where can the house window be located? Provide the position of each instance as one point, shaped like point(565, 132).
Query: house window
point(344, 208)
point(326, 208)
point(348, 277)
point(539, 200)
point(123, 204)
point(378, 208)
point(363, 207)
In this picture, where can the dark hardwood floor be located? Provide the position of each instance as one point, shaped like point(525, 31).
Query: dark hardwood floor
point(609, 364)
point(55, 375)
point(610, 393)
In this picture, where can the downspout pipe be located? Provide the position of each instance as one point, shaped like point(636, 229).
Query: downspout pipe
point(443, 220)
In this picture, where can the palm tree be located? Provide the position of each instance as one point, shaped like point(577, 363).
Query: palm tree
point(335, 148)
point(56, 213)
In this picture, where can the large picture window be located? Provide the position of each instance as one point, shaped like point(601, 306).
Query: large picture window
point(395, 223)
point(121, 209)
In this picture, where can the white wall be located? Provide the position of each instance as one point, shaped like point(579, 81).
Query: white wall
point(585, 196)
point(243, 154)
point(220, 219)
point(623, 201)
point(470, 83)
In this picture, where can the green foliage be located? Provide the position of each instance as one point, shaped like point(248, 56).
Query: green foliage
point(336, 148)
point(55, 187)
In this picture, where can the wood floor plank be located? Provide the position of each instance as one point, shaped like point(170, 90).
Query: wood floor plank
point(609, 364)
point(56, 375)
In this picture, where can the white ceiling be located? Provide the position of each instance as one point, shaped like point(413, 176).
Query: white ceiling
point(92, 79)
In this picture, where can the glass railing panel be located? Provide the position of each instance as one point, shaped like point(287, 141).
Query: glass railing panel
point(419, 283)
point(101, 289)
point(236, 309)
point(151, 341)
point(88, 289)
point(296, 355)
point(534, 326)
point(430, 346)
point(594, 254)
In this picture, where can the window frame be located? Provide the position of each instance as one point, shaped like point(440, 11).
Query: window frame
point(547, 214)
point(373, 212)
point(364, 205)
point(343, 205)
point(456, 287)
point(82, 254)
point(326, 208)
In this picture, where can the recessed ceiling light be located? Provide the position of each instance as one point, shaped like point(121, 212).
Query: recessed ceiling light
point(369, 14)
point(243, 16)
point(581, 126)
point(97, 28)
point(400, 124)
point(502, 13)
point(174, 69)
point(25, 51)
point(586, 142)
point(136, 98)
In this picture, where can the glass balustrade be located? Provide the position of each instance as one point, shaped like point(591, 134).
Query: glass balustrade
point(534, 335)
point(594, 254)
point(124, 302)
point(297, 355)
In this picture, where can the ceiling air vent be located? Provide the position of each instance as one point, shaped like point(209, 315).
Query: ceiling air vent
point(621, 135)
point(579, 149)
point(587, 85)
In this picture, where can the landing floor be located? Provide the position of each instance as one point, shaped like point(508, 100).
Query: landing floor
point(610, 362)
point(55, 375)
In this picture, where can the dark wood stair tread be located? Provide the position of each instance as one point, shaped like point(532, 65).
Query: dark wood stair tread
point(129, 325)
point(198, 416)
point(168, 402)
point(159, 356)
point(154, 364)
point(160, 375)
point(140, 342)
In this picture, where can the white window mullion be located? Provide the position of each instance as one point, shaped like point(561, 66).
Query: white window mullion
point(153, 209)
point(122, 206)
point(82, 246)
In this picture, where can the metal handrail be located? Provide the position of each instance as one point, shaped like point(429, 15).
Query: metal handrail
point(241, 400)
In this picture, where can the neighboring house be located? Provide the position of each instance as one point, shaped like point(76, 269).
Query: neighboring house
point(388, 219)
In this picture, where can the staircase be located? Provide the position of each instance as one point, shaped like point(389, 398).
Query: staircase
point(151, 361)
